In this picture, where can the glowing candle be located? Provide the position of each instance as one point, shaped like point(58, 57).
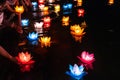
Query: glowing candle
point(76, 71)
point(45, 41)
point(87, 59)
point(19, 9)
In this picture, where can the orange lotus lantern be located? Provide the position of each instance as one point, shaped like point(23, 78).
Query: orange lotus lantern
point(19, 9)
point(110, 2)
point(77, 32)
point(65, 21)
point(25, 62)
point(45, 10)
point(45, 41)
point(79, 2)
point(81, 12)
point(57, 8)
point(47, 21)
point(83, 24)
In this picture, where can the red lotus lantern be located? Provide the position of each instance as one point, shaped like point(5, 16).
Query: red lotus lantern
point(41, 2)
point(47, 22)
point(25, 62)
point(81, 12)
point(87, 59)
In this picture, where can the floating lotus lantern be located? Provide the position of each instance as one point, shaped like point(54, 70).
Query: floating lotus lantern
point(25, 61)
point(87, 59)
point(51, 1)
point(41, 7)
point(67, 8)
point(41, 2)
point(38, 27)
point(81, 12)
point(45, 41)
point(19, 9)
point(32, 36)
point(47, 22)
point(24, 22)
point(83, 24)
point(77, 32)
point(79, 2)
point(34, 6)
point(76, 72)
point(65, 20)
point(38, 24)
point(46, 10)
point(57, 8)
point(110, 2)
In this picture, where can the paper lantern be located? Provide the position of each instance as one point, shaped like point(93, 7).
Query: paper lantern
point(25, 22)
point(19, 9)
point(34, 6)
point(41, 7)
point(76, 72)
point(47, 22)
point(83, 24)
point(45, 41)
point(25, 61)
point(81, 12)
point(51, 1)
point(32, 36)
point(79, 2)
point(65, 20)
point(41, 2)
point(87, 59)
point(110, 2)
point(77, 32)
point(57, 8)
point(38, 27)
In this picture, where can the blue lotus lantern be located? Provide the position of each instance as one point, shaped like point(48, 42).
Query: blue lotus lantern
point(67, 8)
point(69, 5)
point(25, 22)
point(76, 72)
point(35, 6)
point(32, 36)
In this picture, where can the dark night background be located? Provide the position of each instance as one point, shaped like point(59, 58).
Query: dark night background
point(101, 38)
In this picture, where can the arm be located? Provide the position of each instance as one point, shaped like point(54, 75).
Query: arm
point(4, 53)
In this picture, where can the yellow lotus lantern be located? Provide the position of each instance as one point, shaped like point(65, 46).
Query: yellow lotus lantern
point(45, 10)
point(57, 8)
point(83, 24)
point(45, 41)
point(77, 32)
point(19, 9)
point(65, 21)
point(79, 2)
point(110, 2)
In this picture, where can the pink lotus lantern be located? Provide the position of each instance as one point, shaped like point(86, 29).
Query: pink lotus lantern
point(81, 12)
point(25, 62)
point(87, 59)
point(47, 21)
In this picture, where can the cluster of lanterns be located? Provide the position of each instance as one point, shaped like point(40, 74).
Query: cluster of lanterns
point(86, 62)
